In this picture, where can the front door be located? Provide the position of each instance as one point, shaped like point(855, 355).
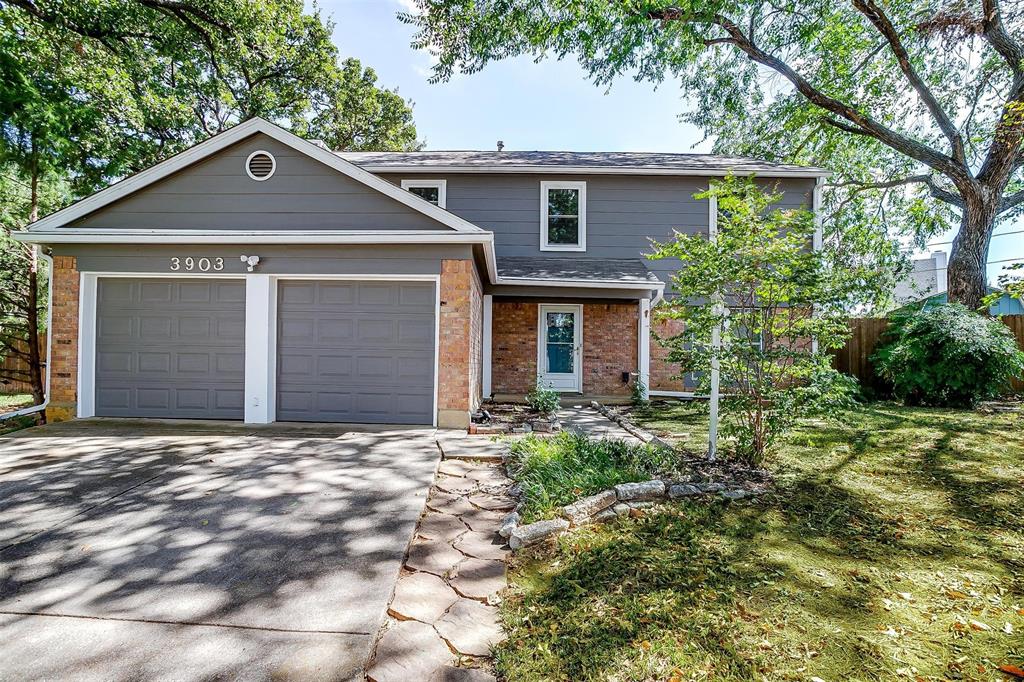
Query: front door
point(560, 346)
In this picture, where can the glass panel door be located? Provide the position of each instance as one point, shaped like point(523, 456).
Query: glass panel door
point(560, 346)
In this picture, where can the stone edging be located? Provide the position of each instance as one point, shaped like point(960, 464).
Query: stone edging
point(625, 498)
point(642, 434)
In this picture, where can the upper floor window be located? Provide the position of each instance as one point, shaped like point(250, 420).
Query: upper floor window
point(432, 190)
point(563, 216)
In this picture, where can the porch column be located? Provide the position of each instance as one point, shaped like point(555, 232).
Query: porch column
point(487, 327)
point(643, 353)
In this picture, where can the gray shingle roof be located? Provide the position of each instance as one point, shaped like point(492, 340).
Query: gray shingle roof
point(595, 162)
point(627, 271)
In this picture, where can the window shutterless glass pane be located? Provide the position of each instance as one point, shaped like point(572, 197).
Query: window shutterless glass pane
point(564, 230)
point(563, 202)
point(431, 194)
point(560, 358)
point(561, 327)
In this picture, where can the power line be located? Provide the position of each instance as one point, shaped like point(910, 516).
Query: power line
point(998, 234)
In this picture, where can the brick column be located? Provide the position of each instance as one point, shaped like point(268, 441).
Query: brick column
point(458, 380)
point(64, 341)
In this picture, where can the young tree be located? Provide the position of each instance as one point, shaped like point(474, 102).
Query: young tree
point(769, 293)
point(93, 91)
point(922, 94)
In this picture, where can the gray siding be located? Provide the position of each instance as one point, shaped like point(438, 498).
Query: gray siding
point(216, 194)
point(624, 212)
point(276, 259)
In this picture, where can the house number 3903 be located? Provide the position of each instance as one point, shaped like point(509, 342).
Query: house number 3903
point(201, 264)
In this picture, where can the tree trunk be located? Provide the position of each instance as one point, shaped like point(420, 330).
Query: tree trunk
point(967, 275)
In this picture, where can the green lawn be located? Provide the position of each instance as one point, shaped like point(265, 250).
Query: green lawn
point(9, 403)
point(893, 548)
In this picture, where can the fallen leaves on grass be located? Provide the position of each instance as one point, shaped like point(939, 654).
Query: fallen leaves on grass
point(1012, 670)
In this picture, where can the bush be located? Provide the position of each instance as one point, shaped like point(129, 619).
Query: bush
point(947, 356)
point(543, 398)
point(559, 470)
point(638, 393)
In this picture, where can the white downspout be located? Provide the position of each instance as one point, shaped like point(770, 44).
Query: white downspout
point(716, 345)
point(49, 342)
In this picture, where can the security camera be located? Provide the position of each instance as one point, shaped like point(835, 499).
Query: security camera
point(251, 261)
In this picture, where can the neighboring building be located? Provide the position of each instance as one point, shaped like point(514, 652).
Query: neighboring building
point(258, 276)
point(1004, 305)
point(926, 285)
point(927, 278)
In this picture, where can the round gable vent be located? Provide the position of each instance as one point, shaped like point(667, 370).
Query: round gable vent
point(260, 165)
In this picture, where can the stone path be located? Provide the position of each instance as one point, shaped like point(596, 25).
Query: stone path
point(586, 419)
point(444, 615)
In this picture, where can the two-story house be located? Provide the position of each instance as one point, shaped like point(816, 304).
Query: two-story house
point(258, 276)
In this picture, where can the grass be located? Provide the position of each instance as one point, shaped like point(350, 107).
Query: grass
point(10, 403)
point(893, 548)
point(555, 471)
point(14, 401)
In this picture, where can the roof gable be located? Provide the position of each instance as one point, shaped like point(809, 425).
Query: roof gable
point(194, 190)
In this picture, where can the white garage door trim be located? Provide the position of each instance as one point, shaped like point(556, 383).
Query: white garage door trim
point(260, 334)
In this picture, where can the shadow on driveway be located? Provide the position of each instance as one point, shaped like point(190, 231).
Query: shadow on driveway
point(154, 550)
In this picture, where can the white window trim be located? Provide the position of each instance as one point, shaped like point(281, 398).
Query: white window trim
point(441, 185)
point(260, 334)
point(545, 187)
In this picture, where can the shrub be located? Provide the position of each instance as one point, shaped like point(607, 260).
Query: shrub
point(543, 398)
point(947, 356)
point(558, 470)
point(638, 393)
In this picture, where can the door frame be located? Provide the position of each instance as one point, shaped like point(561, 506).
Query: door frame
point(577, 310)
point(260, 333)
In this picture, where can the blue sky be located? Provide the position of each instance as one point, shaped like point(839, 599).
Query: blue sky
point(549, 105)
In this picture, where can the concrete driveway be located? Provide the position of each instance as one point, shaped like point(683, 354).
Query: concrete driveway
point(180, 550)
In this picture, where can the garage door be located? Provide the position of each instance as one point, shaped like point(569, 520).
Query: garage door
point(170, 348)
point(358, 352)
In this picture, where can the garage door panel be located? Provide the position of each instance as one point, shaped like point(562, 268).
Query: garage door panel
point(170, 348)
point(352, 352)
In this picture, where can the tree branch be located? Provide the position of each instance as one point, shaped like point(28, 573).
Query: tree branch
point(1011, 201)
point(936, 160)
point(999, 38)
point(883, 25)
point(936, 190)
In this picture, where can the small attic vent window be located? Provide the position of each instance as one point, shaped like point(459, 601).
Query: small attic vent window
point(260, 165)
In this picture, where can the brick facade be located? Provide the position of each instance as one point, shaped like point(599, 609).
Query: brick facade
point(64, 340)
point(459, 372)
point(513, 347)
point(609, 347)
point(663, 371)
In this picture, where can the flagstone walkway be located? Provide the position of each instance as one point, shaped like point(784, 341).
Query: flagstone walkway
point(444, 615)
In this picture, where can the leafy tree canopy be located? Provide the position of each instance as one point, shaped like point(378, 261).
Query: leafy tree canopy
point(92, 90)
point(918, 105)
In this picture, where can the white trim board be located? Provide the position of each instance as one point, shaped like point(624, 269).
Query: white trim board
point(260, 336)
point(207, 148)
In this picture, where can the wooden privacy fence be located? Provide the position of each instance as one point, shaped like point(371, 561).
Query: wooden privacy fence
point(855, 357)
point(10, 385)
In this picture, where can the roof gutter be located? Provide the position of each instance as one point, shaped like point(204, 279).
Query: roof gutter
point(49, 343)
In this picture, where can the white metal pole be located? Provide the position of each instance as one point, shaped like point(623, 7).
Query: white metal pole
point(716, 344)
